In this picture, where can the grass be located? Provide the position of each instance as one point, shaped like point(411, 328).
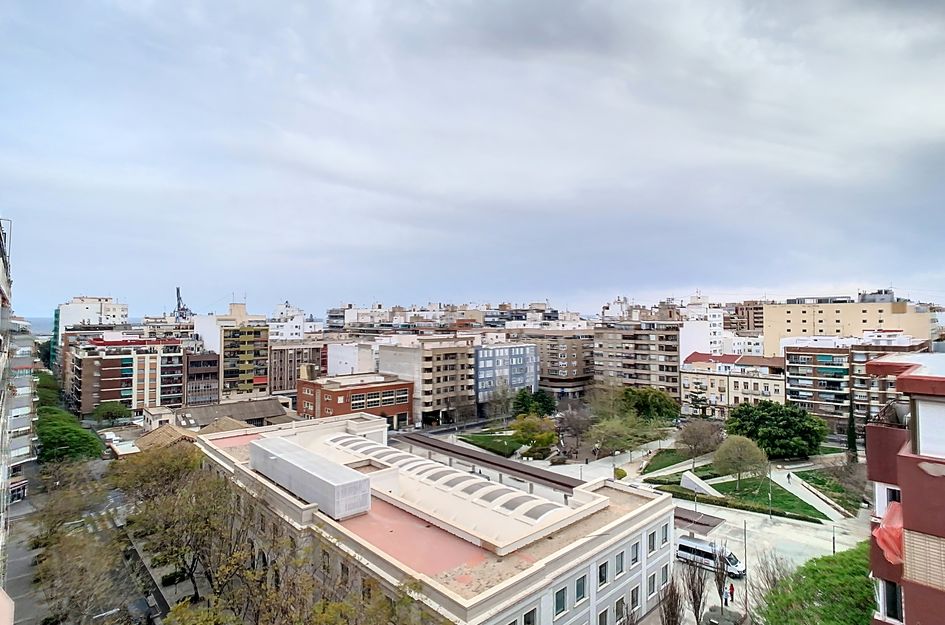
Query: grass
point(504, 446)
point(706, 472)
point(824, 450)
point(754, 490)
point(828, 485)
point(664, 458)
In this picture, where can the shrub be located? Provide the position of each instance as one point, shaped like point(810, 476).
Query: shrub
point(558, 460)
point(685, 493)
point(172, 578)
point(619, 473)
point(537, 453)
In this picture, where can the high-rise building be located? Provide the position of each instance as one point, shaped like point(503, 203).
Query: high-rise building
point(242, 340)
point(285, 358)
point(88, 311)
point(905, 461)
point(506, 368)
point(842, 317)
point(201, 379)
point(289, 323)
point(747, 316)
point(21, 407)
point(7, 395)
point(565, 359)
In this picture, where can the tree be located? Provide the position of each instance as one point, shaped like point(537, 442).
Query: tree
point(606, 401)
point(45, 351)
point(576, 422)
point(61, 437)
point(651, 404)
point(534, 430)
point(739, 455)
point(614, 434)
point(71, 490)
point(720, 573)
point(782, 431)
point(700, 437)
point(523, 402)
point(832, 589)
point(695, 582)
point(852, 454)
point(671, 604)
point(543, 403)
point(500, 404)
point(110, 411)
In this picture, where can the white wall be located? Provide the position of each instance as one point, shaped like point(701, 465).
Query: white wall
point(693, 337)
point(348, 358)
point(930, 419)
point(206, 326)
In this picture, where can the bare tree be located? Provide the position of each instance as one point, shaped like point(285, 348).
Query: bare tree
point(576, 422)
point(720, 573)
point(695, 582)
point(770, 571)
point(500, 404)
point(700, 437)
point(671, 603)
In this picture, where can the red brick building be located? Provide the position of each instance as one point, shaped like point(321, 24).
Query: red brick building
point(379, 394)
point(905, 452)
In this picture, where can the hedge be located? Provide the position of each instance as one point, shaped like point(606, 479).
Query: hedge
point(685, 493)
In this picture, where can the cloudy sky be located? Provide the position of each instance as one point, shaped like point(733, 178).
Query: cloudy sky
point(473, 150)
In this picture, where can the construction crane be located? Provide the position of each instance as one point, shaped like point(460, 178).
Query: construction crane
point(181, 313)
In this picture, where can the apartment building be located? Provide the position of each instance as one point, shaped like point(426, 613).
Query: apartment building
point(713, 386)
point(84, 310)
point(826, 374)
point(747, 316)
point(742, 344)
point(379, 394)
point(646, 353)
point(20, 406)
point(842, 317)
point(242, 340)
point(135, 372)
point(505, 367)
point(442, 370)
point(565, 359)
point(541, 549)
point(285, 358)
point(289, 323)
point(201, 379)
point(905, 459)
point(6, 420)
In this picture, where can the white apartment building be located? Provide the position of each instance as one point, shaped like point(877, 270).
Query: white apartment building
point(289, 323)
point(699, 309)
point(543, 549)
point(733, 343)
point(85, 310)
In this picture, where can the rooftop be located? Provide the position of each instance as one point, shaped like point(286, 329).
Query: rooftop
point(357, 380)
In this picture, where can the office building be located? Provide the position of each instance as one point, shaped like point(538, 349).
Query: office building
point(826, 374)
point(905, 461)
point(713, 386)
point(541, 548)
point(442, 372)
point(842, 317)
point(85, 310)
point(505, 368)
point(379, 394)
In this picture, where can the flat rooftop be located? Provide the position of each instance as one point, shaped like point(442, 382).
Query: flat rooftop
point(928, 364)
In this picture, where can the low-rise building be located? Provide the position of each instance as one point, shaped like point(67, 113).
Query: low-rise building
point(712, 386)
point(506, 368)
point(380, 394)
point(540, 549)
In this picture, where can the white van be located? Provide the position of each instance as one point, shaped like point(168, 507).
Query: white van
point(702, 552)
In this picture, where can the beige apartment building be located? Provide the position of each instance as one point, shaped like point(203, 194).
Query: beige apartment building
point(565, 358)
point(638, 353)
point(713, 386)
point(842, 317)
point(442, 370)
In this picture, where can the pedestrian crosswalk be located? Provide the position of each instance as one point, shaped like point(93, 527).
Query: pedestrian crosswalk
point(106, 520)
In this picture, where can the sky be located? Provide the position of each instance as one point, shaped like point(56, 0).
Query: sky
point(471, 150)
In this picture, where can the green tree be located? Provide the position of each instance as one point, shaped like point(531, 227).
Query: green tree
point(606, 401)
point(523, 402)
point(614, 434)
point(48, 391)
point(833, 589)
point(110, 411)
point(534, 430)
point(651, 404)
point(543, 403)
point(45, 352)
point(739, 455)
point(782, 431)
point(61, 437)
point(700, 437)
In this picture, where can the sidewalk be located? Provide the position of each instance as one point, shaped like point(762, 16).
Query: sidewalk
point(795, 487)
point(685, 465)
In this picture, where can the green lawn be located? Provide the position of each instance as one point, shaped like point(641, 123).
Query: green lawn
point(706, 472)
point(755, 490)
point(504, 446)
point(829, 449)
point(664, 458)
point(825, 483)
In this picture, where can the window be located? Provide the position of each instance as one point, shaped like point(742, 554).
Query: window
point(580, 589)
point(664, 534)
point(892, 601)
point(735, 385)
point(387, 398)
point(561, 601)
point(618, 565)
point(602, 574)
point(373, 400)
point(664, 575)
point(531, 617)
point(602, 618)
point(634, 553)
point(893, 494)
point(402, 395)
point(635, 598)
point(651, 585)
point(357, 401)
point(620, 608)
point(651, 542)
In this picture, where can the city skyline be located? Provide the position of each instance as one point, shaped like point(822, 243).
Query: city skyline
point(469, 152)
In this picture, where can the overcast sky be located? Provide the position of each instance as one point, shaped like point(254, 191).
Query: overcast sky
point(481, 151)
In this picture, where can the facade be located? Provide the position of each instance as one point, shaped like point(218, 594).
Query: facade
point(135, 372)
point(747, 316)
point(699, 309)
point(712, 386)
point(565, 359)
point(443, 375)
point(378, 394)
point(905, 460)
point(244, 361)
point(20, 406)
point(841, 317)
point(289, 323)
point(640, 353)
point(85, 310)
point(742, 344)
point(6, 396)
point(202, 379)
point(285, 358)
point(484, 552)
point(826, 374)
point(505, 367)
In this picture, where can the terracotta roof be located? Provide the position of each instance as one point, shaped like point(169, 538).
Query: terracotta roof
point(166, 435)
point(249, 410)
point(223, 424)
point(761, 361)
point(729, 359)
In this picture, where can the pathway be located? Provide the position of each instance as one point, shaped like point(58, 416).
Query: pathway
point(685, 465)
point(798, 489)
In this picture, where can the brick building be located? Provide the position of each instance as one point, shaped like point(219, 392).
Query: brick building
point(379, 394)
